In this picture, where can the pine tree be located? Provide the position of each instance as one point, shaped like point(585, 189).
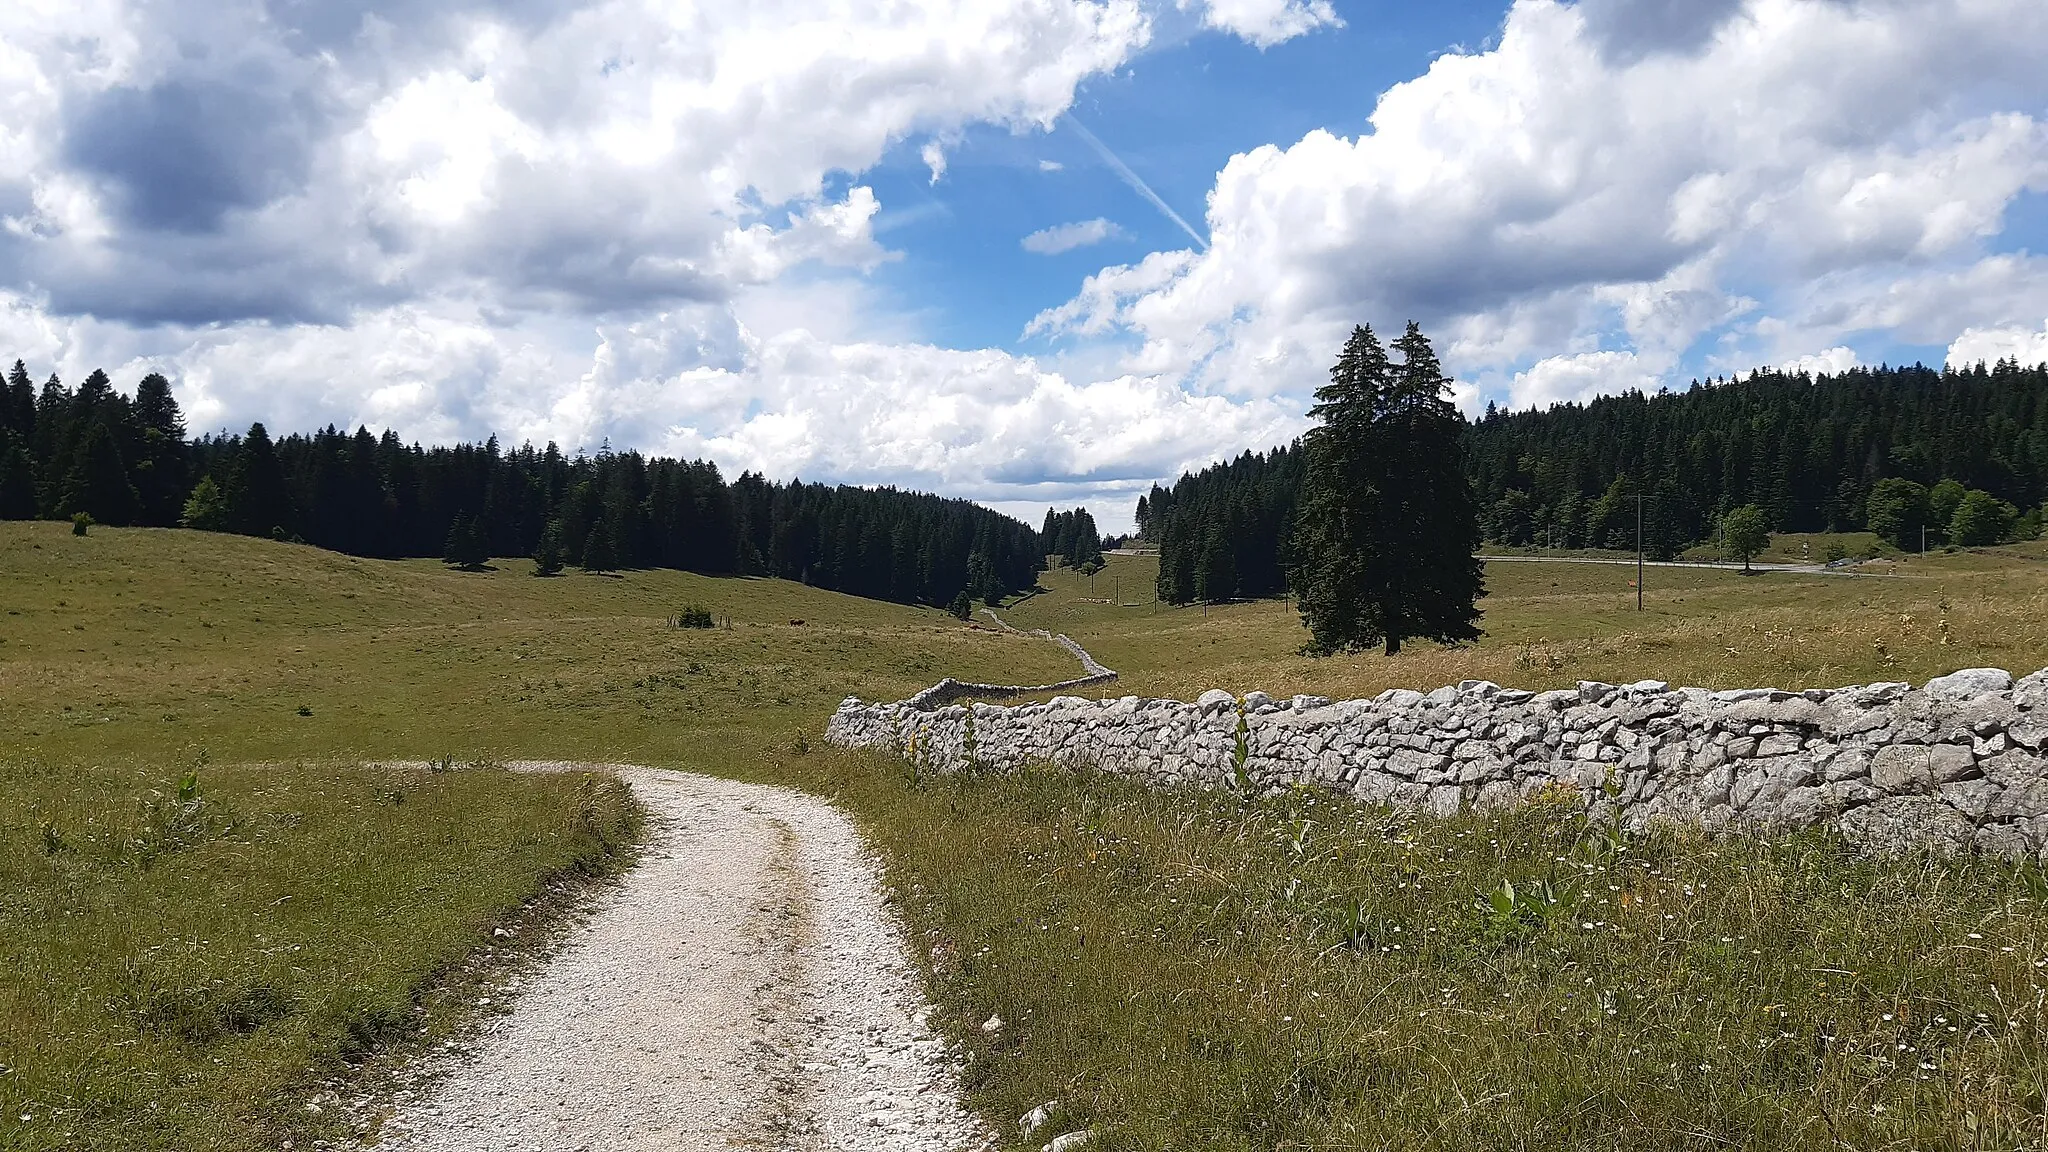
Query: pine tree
point(17, 481)
point(98, 481)
point(1388, 525)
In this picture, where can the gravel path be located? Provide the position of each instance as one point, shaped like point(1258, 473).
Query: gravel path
point(745, 987)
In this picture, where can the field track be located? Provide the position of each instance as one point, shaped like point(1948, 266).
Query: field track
point(745, 986)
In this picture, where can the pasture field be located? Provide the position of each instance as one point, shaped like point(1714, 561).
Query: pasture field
point(1549, 625)
point(1180, 971)
point(187, 968)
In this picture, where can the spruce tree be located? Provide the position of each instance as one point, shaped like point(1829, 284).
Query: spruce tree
point(1388, 525)
point(97, 483)
point(465, 547)
point(17, 481)
point(258, 501)
point(18, 404)
point(547, 557)
point(600, 554)
point(159, 470)
point(206, 509)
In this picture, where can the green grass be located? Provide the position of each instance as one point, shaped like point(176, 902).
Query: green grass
point(182, 969)
point(194, 987)
point(1182, 971)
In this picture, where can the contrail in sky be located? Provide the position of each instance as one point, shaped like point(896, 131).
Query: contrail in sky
point(1134, 180)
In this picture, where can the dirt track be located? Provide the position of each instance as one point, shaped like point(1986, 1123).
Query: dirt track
point(745, 987)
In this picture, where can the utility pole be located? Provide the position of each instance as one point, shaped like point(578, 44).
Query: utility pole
point(1639, 553)
point(1923, 539)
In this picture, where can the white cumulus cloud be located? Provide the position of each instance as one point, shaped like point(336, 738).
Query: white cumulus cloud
point(1067, 237)
point(1266, 22)
point(1749, 181)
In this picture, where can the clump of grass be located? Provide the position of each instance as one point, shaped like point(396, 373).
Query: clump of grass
point(1183, 970)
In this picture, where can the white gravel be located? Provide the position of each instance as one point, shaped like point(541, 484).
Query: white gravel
point(745, 987)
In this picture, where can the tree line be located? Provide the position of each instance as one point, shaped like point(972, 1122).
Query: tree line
point(118, 460)
point(1832, 453)
point(1961, 454)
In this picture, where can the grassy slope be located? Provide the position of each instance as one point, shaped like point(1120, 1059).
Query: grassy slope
point(1182, 971)
point(181, 976)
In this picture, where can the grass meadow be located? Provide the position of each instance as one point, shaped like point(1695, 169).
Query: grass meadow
point(231, 873)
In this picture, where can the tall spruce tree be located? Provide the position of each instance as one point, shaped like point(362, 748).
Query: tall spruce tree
point(1387, 526)
point(18, 405)
point(159, 466)
point(258, 501)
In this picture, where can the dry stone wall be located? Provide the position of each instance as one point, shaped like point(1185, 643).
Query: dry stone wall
point(1960, 763)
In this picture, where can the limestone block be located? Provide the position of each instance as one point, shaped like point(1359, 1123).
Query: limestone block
point(1968, 683)
point(1901, 768)
point(1444, 800)
point(1907, 823)
point(1973, 798)
point(1847, 764)
point(1781, 744)
point(2007, 840)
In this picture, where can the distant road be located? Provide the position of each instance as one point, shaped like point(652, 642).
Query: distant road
point(1814, 569)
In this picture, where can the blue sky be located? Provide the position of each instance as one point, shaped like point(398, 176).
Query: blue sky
point(872, 241)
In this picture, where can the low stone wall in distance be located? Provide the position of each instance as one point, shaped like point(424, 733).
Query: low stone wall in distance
point(1960, 763)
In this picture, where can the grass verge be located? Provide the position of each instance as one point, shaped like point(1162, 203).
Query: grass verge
point(191, 956)
point(1183, 971)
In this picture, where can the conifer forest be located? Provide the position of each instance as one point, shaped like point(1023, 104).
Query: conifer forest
point(93, 452)
point(1960, 453)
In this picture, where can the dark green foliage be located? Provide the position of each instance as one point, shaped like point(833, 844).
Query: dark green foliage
point(257, 497)
point(18, 404)
point(1811, 452)
point(1942, 501)
point(158, 464)
point(962, 606)
point(599, 552)
point(547, 555)
point(1745, 531)
point(1387, 527)
point(372, 495)
point(1981, 518)
point(98, 481)
point(465, 546)
point(1245, 508)
point(80, 521)
point(17, 480)
point(1071, 536)
point(1897, 510)
point(694, 616)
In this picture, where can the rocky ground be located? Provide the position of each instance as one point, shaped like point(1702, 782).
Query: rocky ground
point(745, 987)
